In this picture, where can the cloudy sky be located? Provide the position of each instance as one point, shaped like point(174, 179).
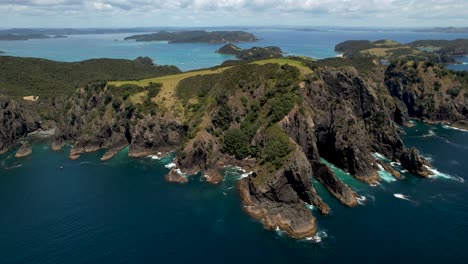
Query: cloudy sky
point(131, 13)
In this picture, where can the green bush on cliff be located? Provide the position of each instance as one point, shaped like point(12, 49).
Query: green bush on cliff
point(275, 147)
point(236, 143)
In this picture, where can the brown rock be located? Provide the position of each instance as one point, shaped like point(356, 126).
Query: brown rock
point(174, 177)
point(24, 150)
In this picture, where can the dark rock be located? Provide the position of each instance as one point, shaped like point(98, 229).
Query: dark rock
point(414, 163)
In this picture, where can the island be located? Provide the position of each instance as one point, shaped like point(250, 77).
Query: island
point(197, 36)
point(12, 37)
point(442, 51)
point(2, 52)
point(285, 121)
point(254, 53)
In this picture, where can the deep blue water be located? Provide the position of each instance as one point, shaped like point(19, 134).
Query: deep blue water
point(193, 56)
point(123, 211)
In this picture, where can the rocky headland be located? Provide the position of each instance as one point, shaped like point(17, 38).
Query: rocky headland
point(272, 119)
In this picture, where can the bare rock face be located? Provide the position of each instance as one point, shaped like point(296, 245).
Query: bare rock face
point(281, 199)
point(201, 154)
point(423, 92)
point(17, 119)
point(156, 134)
point(340, 190)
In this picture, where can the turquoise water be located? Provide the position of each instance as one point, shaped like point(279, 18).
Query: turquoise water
point(463, 66)
point(194, 56)
point(123, 211)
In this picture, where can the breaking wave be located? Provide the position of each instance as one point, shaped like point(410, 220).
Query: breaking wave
point(319, 237)
point(170, 165)
point(403, 197)
point(385, 175)
point(441, 175)
point(454, 128)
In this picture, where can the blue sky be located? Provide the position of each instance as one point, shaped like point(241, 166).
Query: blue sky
point(132, 13)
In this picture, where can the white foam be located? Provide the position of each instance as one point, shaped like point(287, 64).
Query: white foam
point(430, 133)
point(181, 173)
point(311, 207)
point(454, 128)
point(245, 175)
point(438, 174)
point(379, 156)
point(402, 196)
point(318, 237)
point(170, 165)
point(385, 175)
point(361, 200)
point(155, 157)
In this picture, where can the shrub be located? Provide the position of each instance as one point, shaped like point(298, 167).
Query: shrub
point(236, 143)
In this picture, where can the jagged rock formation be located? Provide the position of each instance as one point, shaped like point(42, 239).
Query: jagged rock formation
point(427, 92)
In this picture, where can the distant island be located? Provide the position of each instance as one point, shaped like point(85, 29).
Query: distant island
point(255, 53)
point(441, 51)
point(444, 30)
point(2, 52)
point(10, 36)
point(197, 36)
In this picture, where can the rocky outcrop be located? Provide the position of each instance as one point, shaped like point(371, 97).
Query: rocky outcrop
point(156, 134)
point(17, 120)
point(413, 162)
point(427, 92)
point(340, 190)
point(24, 150)
point(174, 176)
point(280, 199)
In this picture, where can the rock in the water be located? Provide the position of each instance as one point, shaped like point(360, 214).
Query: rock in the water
point(24, 150)
point(414, 163)
point(175, 177)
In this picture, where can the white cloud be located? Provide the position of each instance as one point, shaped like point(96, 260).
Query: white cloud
point(357, 12)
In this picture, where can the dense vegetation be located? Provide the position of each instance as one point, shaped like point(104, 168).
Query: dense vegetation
point(238, 115)
point(45, 78)
point(197, 36)
point(457, 47)
point(252, 54)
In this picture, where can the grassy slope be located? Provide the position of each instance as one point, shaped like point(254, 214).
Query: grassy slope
point(282, 61)
point(167, 98)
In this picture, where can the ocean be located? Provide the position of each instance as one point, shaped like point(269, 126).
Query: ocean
point(316, 44)
point(54, 210)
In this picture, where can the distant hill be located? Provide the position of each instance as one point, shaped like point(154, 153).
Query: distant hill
point(197, 36)
point(457, 47)
point(445, 30)
point(10, 36)
point(46, 78)
point(441, 51)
